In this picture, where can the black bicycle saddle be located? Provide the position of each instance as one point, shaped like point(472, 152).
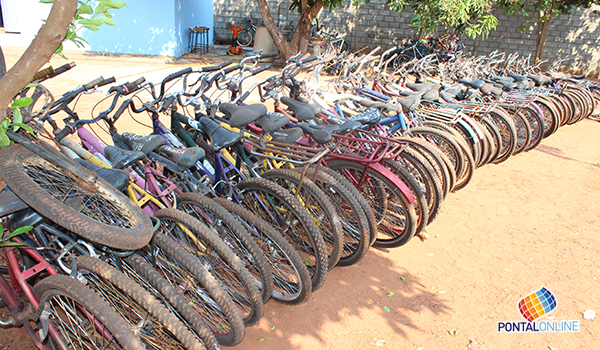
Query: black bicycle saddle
point(116, 177)
point(475, 84)
point(272, 121)
point(420, 87)
point(219, 136)
point(240, 116)
point(145, 144)
point(288, 136)
point(301, 110)
point(320, 133)
point(121, 158)
point(409, 103)
point(348, 127)
point(371, 116)
point(184, 158)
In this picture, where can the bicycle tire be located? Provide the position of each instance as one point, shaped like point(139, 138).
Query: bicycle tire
point(306, 238)
point(420, 203)
point(244, 38)
point(364, 205)
point(356, 237)
point(506, 127)
point(220, 260)
point(119, 290)
point(24, 172)
point(425, 174)
point(291, 279)
point(523, 132)
point(536, 122)
point(57, 286)
point(198, 286)
point(231, 231)
point(182, 308)
point(488, 147)
point(318, 206)
point(496, 138)
point(396, 216)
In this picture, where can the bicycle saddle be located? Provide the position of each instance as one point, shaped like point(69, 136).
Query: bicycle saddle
point(348, 127)
point(10, 203)
point(301, 110)
point(559, 76)
point(184, 158)
point(448, 97)
point(272, 121)
point(540, 79)
point(287, 135)
point(371, 116)
point(487, 88)
point(390, 107)
point(432, 95)
point(517, 77)
point(320, 133)
point(145, 144)
point(240, 116)
point(420, 87)
point(409, 103)
point(475, 84)
point(116, 177)
point(453, 90)
point(121, 158)
point(219, 136)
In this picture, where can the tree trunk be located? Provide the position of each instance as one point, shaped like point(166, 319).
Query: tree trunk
point(39, 52)
point(301, 35)
point(542, 29)
point(284, 47)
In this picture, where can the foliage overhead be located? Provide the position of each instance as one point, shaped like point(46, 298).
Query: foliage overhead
point(469, 17)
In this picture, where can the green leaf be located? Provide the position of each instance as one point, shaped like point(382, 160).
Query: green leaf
point(85, 10)
point(101, 8)
point(11, 244)
point(18, 119)
point(20, 230)
point(30, 85)
point(94, 22)
point(261, 339)
point(390, 294)
point(386, 309)
point(91, 27)
point(22, 102)
point(46, 1)
point(273, 328)
point(453, 331)
point(402, 278)
point(108, 21)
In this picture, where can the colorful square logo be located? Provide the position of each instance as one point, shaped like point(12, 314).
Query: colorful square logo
point(537, 304)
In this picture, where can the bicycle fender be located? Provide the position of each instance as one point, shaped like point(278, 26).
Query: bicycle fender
point(392, 177)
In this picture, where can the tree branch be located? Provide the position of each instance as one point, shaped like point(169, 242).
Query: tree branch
point(48, 39)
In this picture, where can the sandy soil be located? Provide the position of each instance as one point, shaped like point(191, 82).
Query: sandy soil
point(532, 221)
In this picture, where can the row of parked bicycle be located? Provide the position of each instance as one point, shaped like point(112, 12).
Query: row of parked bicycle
point(184, 234)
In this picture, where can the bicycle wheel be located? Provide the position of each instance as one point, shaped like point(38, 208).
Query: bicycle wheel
point(94, 210)
point(340, 45)
point(508, 133)
point(158, 328)
point(420, 203)
point(356, 234)
point(291, 279)
point(219, 259)
point(523, 132)
point(141, 271)
point(279, 208)
point(198, 286)
point(318, 206)
point(362, 202)
point(445, 142)
point(536, 122)
point(244, 38)
point(425, 174)
point(233, 233)
point(82, 319)
point(396, 216)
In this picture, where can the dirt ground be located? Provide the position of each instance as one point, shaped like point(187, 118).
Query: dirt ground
point(532, 221)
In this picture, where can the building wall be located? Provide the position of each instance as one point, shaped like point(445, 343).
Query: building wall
point(370, 25)
point(148, 27)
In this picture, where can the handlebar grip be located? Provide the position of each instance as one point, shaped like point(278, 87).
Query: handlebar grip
point(261, 69)
point(66, 131)
point(107, 81)
point(60, 70)
point(269, 55)
point(133, 86)
point(121, 109)
point(93, 83)
point(43, 74)
point(231, 69)
point(306, 60)
point(225, 64)
point(178, 74)
point(209, 69)
point(244, 96)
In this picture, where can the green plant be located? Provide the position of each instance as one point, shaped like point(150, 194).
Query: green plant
point(5, 241)
point(15, 120)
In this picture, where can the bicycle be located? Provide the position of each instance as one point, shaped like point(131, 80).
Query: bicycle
point(246, 35)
